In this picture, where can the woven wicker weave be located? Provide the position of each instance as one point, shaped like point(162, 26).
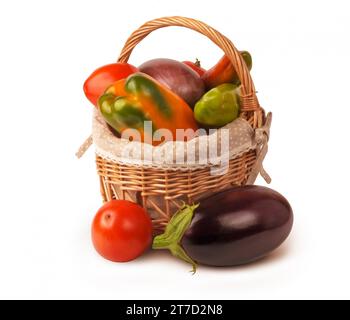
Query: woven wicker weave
point(162, 191)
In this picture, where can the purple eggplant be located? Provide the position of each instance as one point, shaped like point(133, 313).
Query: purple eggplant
point(233, 227)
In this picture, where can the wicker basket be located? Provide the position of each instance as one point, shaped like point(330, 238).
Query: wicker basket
point(162, 191)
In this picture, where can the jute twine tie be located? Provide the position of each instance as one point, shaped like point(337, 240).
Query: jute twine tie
point(84, 147)
point(262, 135)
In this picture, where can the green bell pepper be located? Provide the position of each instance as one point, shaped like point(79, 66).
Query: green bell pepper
point(219, 106)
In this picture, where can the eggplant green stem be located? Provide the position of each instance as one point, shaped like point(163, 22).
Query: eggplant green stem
point(174, 231)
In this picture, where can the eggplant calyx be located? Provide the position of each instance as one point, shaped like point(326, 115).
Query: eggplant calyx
point(174, 231)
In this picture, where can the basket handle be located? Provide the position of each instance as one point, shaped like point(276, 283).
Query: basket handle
point(249, 101)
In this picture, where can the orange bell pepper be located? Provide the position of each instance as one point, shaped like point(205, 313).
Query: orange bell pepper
point(128, 103)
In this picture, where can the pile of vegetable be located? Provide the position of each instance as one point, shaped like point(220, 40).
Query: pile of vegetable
point(229, 228)
point(171, 94)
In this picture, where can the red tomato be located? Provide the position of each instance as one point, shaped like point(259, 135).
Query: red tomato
point(196, 66)
point(121, 231)
point(103, 77)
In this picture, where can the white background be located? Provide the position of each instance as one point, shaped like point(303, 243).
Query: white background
point(301, 69)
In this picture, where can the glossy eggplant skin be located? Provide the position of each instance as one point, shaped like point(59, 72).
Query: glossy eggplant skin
point(238, 226)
